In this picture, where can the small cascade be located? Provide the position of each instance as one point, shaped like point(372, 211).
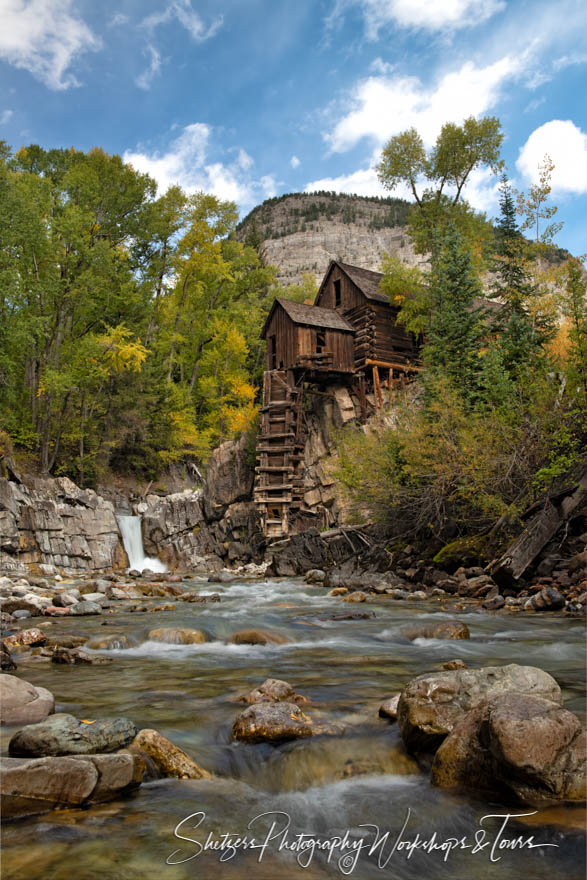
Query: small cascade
point(132, 540)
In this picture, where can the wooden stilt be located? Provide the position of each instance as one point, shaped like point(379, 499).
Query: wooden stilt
point(377, 384)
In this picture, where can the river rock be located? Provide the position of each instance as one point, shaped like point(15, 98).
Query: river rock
point(14, 605)
point(272, 723)
point(548, 599)
point(256, 637)
point(431, 705)
point(357, 596)
point(6, 661)
point(519, 744)
point(64, 600)
point(22, 702)
point(388, 709)
point(30, 787)
point(73, 656)
point(177, 636)
point(84, 608)
point(338, 591)
point(273, 690)
point(109, 643)
point(448, 629)
point(25, 637)
point(167, 757)
point(315, 576)
point(65, 735)
point(494, 603)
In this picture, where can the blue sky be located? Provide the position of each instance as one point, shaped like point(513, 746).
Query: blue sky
point(253, 98)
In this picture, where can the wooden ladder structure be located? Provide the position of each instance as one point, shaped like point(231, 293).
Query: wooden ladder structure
point(279, 485)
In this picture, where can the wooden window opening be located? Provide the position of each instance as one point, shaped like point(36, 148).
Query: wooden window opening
point(337, 294)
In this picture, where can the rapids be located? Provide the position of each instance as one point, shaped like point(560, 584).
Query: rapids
point(325, 785)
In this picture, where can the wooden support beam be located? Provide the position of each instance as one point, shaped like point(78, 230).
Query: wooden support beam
point(408, 368)
point(377, 385)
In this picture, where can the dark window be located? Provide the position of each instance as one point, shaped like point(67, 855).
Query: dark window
point(337, 294)
point(320, 341)
point(272, 352)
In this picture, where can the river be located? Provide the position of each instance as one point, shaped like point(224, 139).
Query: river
point(322, 787)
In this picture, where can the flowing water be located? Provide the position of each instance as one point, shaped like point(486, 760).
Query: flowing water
point(132, 540)
point(323, 786)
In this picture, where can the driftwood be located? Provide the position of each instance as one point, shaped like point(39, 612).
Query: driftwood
point(558, 508)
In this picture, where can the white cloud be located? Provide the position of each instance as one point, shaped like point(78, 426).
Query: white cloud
point(185, 162)
point(294, 162)
point(6, 116)
point(566, 145)
point(145, 79)
point(44, 37)
point(181, 11)
point(363, 182)
point(430, 15)
point(118, 20)
point(383, 106)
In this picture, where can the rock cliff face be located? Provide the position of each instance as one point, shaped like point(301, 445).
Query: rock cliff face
point(301, 233)
point(52, 523)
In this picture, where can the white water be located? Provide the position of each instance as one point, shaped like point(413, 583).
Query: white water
point(132, 540)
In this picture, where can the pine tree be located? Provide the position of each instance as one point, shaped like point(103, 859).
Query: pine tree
point(456, 326)
point(519, 336)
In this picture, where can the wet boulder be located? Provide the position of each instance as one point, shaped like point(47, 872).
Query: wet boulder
point(169, 759)
point(357, 596)
point(315, 576)
point(84, 608)
point(76, 656)
point(6, 661)
point(30, 787)
point(64, 735)
point(517, 744)
point(548, 599)
point(271, 723)
point(388, 709)
point(273, 690)
point(22, 702)
point(109, 643)
point(431, 705)
point(447, 629)
point(256, 637)
point(25, 637)
point(177, 636)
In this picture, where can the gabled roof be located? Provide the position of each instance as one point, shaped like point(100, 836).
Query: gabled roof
point(311, 316)
point(366, 280)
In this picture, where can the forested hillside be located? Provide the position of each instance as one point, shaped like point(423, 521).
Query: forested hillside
point(129, 323)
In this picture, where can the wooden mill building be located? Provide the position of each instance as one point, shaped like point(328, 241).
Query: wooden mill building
point(349, 335)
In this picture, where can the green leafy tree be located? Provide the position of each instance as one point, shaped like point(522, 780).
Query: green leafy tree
point(534, 207)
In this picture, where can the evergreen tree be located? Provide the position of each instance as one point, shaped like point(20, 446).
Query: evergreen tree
point(519, 335)
point(456, 324)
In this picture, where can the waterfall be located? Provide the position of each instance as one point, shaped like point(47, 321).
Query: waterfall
point(132, 540)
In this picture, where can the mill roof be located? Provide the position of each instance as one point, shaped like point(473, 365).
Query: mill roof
point(311, 316)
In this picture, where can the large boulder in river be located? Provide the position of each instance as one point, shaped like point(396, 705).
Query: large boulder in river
point(168, 758)
point(33, 786)
point(256, 637)
point(6, 661)
point(447, 629)
point(516, 744)
point(272, 723)
point(431, 705)
point(65, 735)
point(22, 702)
point(177, 636)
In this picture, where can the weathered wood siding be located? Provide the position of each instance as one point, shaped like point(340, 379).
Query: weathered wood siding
point(293, 340)
point(351, 296)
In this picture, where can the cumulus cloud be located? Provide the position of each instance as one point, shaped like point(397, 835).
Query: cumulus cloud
point(185, 162)
point(363, 182)
point(441, 15)
point(181, 11)
point(44, 37)
point(385, 105)
point(145, 79)
point(6, 116)
point(294, 162)
point(566, 145)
